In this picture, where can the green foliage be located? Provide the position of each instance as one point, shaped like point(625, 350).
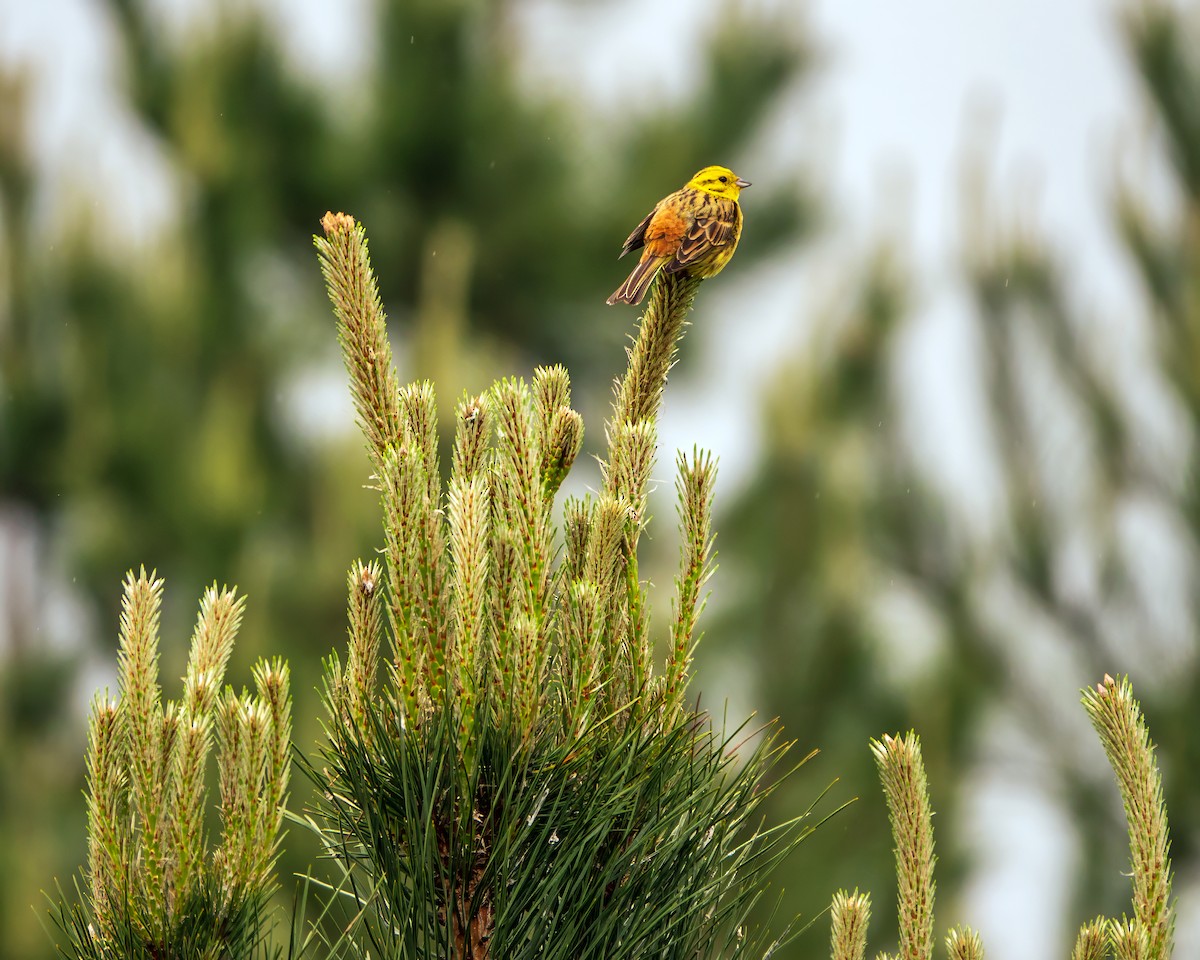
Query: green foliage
point(850, 914)
point(904, 786)
point(626, 841)
point(153, 887)
point(155, 395)
point(845, 521)
point(1118, 720)
point(211, 921)
point(519, 781)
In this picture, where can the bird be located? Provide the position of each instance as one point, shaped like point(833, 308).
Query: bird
point(693, 230)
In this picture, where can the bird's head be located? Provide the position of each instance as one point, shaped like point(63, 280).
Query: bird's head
point(719, 181)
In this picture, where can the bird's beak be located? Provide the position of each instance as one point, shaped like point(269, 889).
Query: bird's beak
point(742, 183)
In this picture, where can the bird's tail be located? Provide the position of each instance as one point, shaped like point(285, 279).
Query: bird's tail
point(633, 290)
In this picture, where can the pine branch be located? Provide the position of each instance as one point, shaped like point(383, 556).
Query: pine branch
point(1130, 940)
point(471, 452)
point(362, 332)
point(851, 915)
point(272, 682)
point(1092, 941)
point(638, 395)
point(428, 575)
point(137, 678)
point(963, 943)
point(903, 774)
point(605, 570)
point(366, 628)
point(544, 804)
point(559, 428)
point(694, 489)
point(402, 493)
point(1118, 720)
point(212, 642)
point(154, 888)
point(525, 514)
point(107, 797)
point(468, 510)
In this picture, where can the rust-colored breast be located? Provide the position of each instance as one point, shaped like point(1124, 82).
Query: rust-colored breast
point(668, 226)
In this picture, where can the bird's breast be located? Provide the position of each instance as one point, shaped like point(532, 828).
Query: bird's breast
point(667, 228)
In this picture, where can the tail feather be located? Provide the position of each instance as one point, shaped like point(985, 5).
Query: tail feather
point(633, 290)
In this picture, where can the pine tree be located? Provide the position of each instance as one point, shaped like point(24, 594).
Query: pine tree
point(148, 410)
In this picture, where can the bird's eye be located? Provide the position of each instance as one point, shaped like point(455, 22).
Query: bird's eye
point(724, 179)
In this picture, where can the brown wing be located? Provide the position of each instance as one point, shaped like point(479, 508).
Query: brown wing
point(714, 226)
point(638, 237)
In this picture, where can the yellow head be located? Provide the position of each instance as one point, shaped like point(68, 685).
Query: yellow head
point(719, 181)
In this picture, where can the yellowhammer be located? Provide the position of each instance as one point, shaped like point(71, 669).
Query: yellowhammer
point(695, 229)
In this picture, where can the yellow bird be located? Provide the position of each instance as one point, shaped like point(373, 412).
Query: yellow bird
point(694, 230)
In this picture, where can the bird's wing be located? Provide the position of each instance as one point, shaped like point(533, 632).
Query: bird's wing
point(638, 237)
point(708, 231)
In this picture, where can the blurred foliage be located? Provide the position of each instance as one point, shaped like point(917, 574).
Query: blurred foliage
point(842, 514)
point(147, 402)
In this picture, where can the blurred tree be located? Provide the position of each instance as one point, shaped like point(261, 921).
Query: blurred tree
point(802, 544)
point(1089, 565)
point(147, 402)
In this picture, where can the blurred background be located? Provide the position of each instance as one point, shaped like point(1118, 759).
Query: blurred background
point(952, 377)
